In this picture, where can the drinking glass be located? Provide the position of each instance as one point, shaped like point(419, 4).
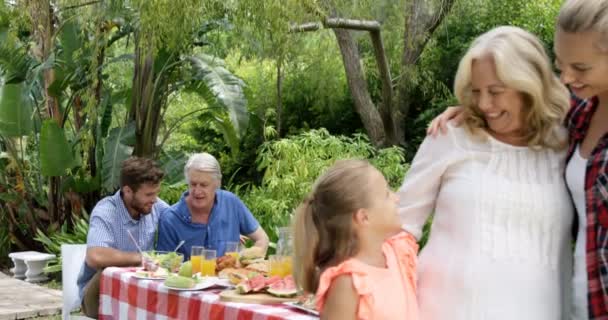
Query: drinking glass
point(196, 257)
point(209, 261)
point(233, 249)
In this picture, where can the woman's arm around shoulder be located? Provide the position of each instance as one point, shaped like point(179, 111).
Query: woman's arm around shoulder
point(342, 300)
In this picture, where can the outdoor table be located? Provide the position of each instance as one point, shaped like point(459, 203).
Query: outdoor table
point(123, 296)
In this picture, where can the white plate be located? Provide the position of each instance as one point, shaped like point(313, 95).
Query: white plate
point(205, 283)
point(142, 277)
point(301, 307)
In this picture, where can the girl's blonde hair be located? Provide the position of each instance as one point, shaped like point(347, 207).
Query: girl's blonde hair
point(323, 226)
point(585, 15)
point(521, 64)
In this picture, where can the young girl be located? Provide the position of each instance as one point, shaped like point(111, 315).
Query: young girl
point(350, 248)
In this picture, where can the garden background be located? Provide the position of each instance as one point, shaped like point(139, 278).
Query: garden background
point(276, 89)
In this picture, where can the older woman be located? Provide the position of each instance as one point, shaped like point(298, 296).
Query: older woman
point(500, 239)
point(206, 215)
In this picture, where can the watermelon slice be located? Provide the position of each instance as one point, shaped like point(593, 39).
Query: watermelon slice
point(270, 281)
point(285, 288)
point(243, 287)
point(257, 283)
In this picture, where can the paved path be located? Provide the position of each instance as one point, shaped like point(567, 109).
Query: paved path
point(22, 300)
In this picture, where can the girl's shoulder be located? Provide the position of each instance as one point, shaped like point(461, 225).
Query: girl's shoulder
point(351, 268)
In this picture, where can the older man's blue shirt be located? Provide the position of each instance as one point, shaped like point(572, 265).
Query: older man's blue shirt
point(229, 219)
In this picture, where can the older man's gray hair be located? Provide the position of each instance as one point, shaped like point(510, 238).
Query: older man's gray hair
point(203, 162)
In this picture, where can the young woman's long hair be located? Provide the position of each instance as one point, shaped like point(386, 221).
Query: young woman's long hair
point(323, 223)
point(577, 16)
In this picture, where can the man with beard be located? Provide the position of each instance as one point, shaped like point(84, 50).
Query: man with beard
point(134, 209)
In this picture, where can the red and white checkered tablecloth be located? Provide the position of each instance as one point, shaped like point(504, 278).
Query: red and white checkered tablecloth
point(123, 296)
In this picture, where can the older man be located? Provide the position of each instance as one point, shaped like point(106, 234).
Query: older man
point(133, 211)
point(206, 215)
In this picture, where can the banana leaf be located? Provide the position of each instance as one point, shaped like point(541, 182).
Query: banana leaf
point(15, 110)
point(55, 153)
point(221, 89)
point(117, 149)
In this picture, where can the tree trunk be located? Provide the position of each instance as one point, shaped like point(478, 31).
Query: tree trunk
point(422, 20)
point(142, 100)
point(387, 111)
point(41, 12)
point(279, 98)
point(364, 105)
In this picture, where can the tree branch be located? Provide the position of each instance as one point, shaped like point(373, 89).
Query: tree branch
point(80, 5)
point(363, 25)
point(306, 27)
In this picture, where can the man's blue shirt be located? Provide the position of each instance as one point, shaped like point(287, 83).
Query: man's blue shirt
point(108, 226)
point(229, 219)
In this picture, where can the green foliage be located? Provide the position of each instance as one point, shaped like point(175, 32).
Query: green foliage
point(52, 241)
point(292, 164)
point(55, 152)
point(171, 193)
point(15, 110)
point(117, 149)
point(168, 24)
point(223, 90)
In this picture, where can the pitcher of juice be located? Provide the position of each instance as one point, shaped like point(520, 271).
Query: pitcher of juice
point(285, 242)
point(284, 252)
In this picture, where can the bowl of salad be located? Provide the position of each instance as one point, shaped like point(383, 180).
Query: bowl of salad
point(152, 260)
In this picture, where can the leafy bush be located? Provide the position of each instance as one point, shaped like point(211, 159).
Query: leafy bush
point(53, 241)
point(292, 164)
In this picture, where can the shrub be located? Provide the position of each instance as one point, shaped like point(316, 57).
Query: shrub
point(292, 164)
point(53, 241)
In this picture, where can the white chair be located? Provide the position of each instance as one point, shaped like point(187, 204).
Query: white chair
point(72, 258)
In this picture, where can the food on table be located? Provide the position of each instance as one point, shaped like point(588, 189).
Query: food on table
point(180, 282)
point(284, 288)
point(151, 260)
point(252, 255)
point(224, 262)
point(186, 269)
point(236, 275)
point(260, 266)
point(252, 285)
point(276, 286)
point(159, 273)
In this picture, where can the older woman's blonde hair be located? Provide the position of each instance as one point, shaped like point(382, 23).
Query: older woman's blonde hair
point(521, 64)
point(585, 15)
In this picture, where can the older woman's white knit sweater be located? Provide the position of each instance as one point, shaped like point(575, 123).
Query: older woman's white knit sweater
point(500, 243)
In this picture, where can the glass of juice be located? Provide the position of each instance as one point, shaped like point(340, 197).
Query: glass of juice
point(233, 249)
point(276, 265)
point(196, 257)
point(208, 263)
